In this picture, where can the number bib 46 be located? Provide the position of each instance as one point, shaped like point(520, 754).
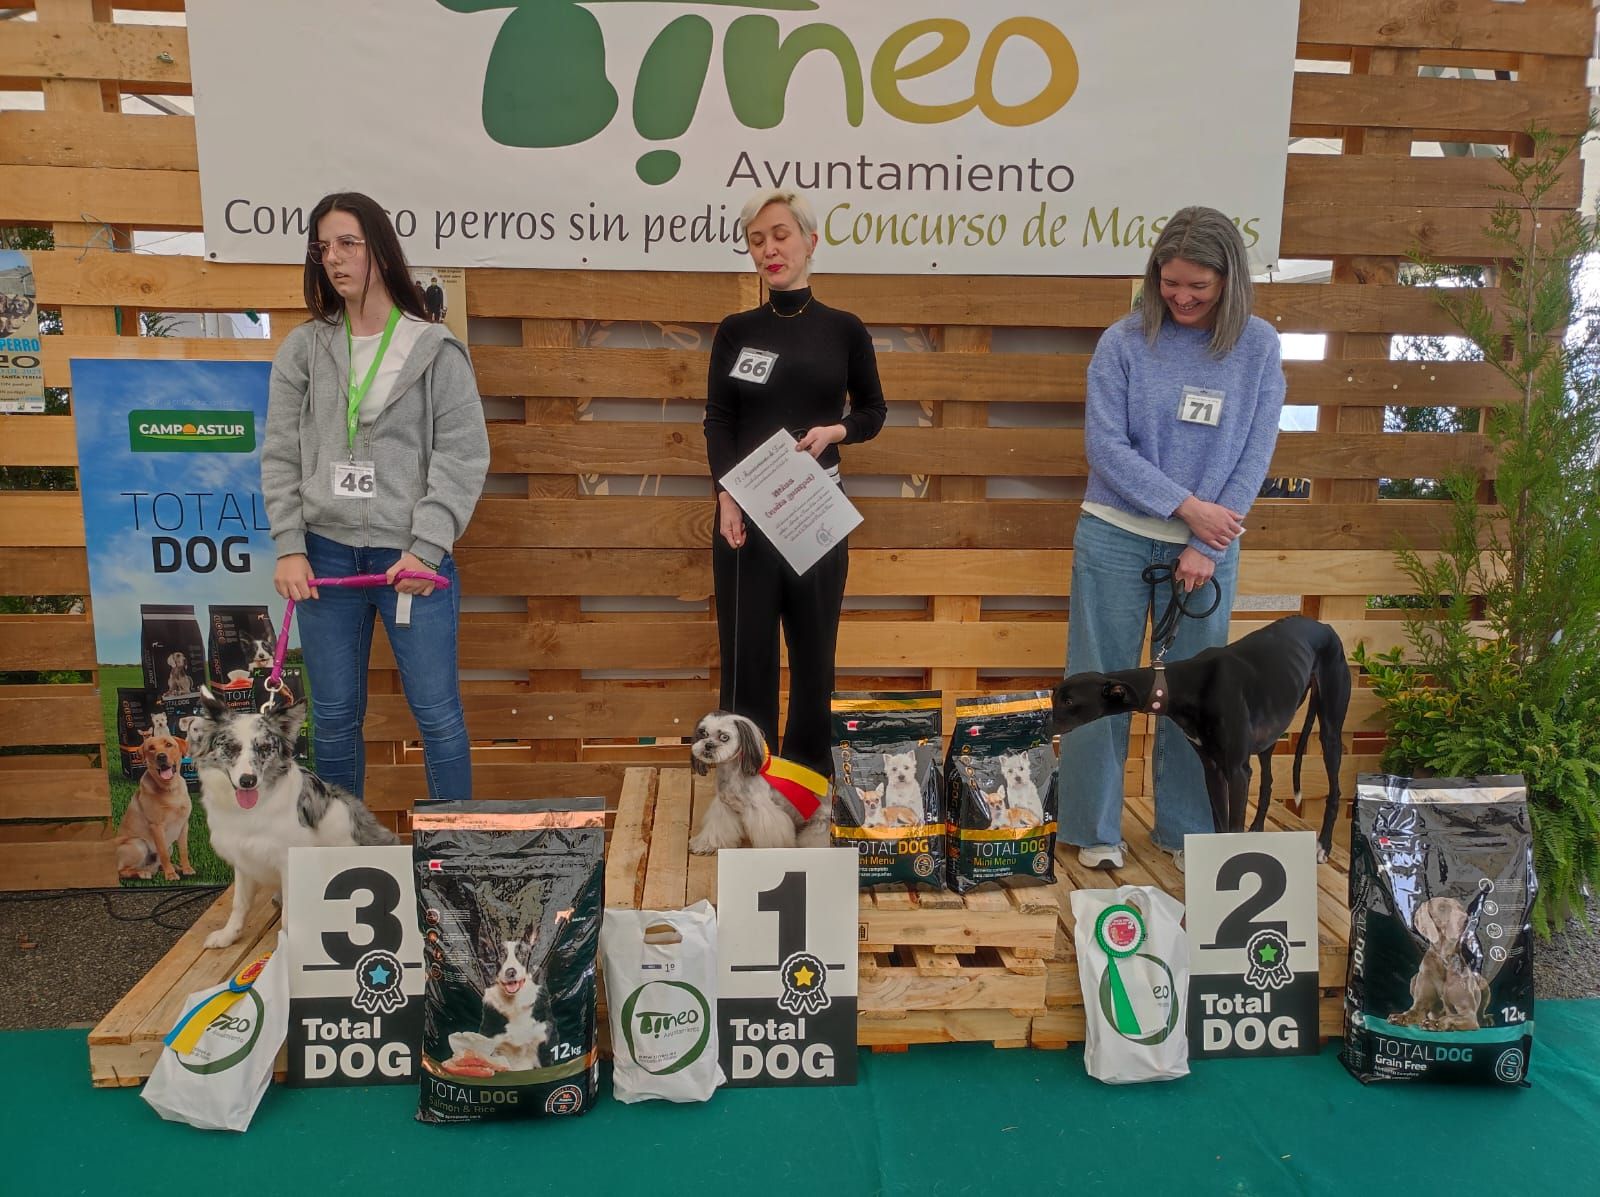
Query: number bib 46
point(354, 480)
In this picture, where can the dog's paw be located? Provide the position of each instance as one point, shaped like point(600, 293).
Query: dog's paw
point(186, 870)
point(700, 846)
point(169, 874)
point(1322, 855)
point(222, 938)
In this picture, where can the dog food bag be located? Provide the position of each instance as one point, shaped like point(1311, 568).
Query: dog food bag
point(1133, 966)
point(239, 642)
point(133, 720)
point(661, 997)
point(1000, 778)
point(1440, 986)
point(217, 1083)
point(182, 714)
point(888, 796)
point(509, 898)
point(171, 650)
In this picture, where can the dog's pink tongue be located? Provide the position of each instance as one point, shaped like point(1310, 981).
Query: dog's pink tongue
point(166, 772)
point(247, 798)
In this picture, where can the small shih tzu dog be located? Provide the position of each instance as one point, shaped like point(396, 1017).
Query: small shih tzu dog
point(749, 810)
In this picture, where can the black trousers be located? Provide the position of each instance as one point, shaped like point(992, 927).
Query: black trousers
point(756, 591)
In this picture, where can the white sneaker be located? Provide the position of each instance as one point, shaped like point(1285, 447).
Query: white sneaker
point(1101, 856)
point(1177, 857)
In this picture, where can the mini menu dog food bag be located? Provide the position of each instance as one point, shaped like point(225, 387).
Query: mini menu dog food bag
point(1001, 782)
point(661, 998)
point(888, 795)
point(1440, 985)
point(509, 899)
point(1133, 966)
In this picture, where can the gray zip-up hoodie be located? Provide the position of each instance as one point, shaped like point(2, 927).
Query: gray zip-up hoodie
point(428, 445)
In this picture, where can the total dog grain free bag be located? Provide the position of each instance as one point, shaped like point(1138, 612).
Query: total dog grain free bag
point(661, 998)
point(1442, 884)
point(1001, 782)
point(509, 901)
point(888, 795)
point(171, 651)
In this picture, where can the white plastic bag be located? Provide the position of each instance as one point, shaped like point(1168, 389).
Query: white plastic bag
point(1133, 963)
point(661, 998)
point(218, 1085)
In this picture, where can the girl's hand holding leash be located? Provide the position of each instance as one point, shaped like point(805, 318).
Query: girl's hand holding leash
point(292, 578)
point(1194, 569)
point(417, 586)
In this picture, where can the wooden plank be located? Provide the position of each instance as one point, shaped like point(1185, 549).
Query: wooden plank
point(395, 787)
point(72, 864)
point(54, 794)
point(1439, 233)
point(898, 989)
point(44, 571)
point(625, 855)
point(702, 880)
point(1467, 105)
point(943, 927)
point(651, 523)
point(554, 715)
point(151, 58)
point(666, 874)
point(98, 139)
point(29, 519)
point(64, 714)
point(59, 352)
point(151, 199)
point(627, 447)
point(37, 441)
point(192, 284)
point(1353, 181)
point(999, 1027)
point(42, 642)
point(863, 643)
point(1462, 24)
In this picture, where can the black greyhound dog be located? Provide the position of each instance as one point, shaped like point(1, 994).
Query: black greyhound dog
point(1233, 703)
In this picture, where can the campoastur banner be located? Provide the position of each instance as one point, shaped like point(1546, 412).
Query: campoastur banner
point(935, 136)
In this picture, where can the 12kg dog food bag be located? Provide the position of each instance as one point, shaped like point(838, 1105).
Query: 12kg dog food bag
point(133, 720)
point(1440, 985)
point(661, 997)
point(1001, 782)
point(239, 644)
point(509, 899)
point(888, 795)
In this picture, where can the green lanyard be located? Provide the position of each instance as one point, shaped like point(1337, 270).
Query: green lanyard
point(358, 391)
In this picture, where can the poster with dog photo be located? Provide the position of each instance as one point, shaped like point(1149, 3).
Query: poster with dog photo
point(21, 376)
point(444, 296)
point(180, 577)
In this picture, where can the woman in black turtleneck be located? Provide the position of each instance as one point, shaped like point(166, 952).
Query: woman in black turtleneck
point(821, 354)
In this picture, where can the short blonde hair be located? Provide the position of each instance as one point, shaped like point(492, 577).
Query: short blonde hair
point(796, 202)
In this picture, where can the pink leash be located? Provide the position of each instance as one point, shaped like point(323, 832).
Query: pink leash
point(275, 684)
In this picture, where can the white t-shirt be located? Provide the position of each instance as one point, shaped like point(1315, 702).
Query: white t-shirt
point(363, 349)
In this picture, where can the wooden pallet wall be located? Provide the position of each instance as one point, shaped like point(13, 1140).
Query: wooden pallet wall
point(985, 576)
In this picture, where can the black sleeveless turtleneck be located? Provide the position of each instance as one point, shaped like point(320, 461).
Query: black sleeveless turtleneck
point(822, 354)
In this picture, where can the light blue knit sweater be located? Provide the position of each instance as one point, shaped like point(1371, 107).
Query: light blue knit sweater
point(1145, 460)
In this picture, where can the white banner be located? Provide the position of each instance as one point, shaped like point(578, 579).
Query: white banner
point(933, 136)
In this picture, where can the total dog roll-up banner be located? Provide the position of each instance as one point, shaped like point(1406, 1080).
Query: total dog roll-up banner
point(934, 136)
point(180, 574)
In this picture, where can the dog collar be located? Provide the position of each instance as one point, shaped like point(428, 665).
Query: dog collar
point(1158, 690)
point(801, 786)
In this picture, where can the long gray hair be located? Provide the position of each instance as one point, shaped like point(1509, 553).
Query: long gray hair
point(1205, 237)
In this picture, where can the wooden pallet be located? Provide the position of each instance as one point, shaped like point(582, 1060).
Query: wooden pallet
point(935, 967)
point(124, 1047)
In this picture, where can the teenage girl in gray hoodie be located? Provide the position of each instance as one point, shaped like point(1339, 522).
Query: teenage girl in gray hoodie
point(374, 459)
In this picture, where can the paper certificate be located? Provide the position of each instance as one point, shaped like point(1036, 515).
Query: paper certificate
point(792, 500)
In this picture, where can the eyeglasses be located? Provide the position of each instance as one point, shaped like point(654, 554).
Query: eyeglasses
point(341, 247)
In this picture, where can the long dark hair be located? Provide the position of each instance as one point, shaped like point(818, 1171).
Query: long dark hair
point(383, 246)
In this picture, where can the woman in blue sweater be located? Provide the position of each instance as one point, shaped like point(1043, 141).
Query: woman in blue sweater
point(1182, 416)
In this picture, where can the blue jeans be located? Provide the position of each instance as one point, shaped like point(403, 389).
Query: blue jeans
point(1105, 629)
point(336, 636)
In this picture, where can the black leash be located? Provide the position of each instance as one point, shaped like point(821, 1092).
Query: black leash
point(1166, 627)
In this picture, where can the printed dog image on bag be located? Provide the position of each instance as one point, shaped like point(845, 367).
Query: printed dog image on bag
point(239, 646)
point(888, 795)
point(172, 652)
point(1440, 984)
point(1000, 777)
point(133, 722)
point(181, 714)
point(509, 899)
